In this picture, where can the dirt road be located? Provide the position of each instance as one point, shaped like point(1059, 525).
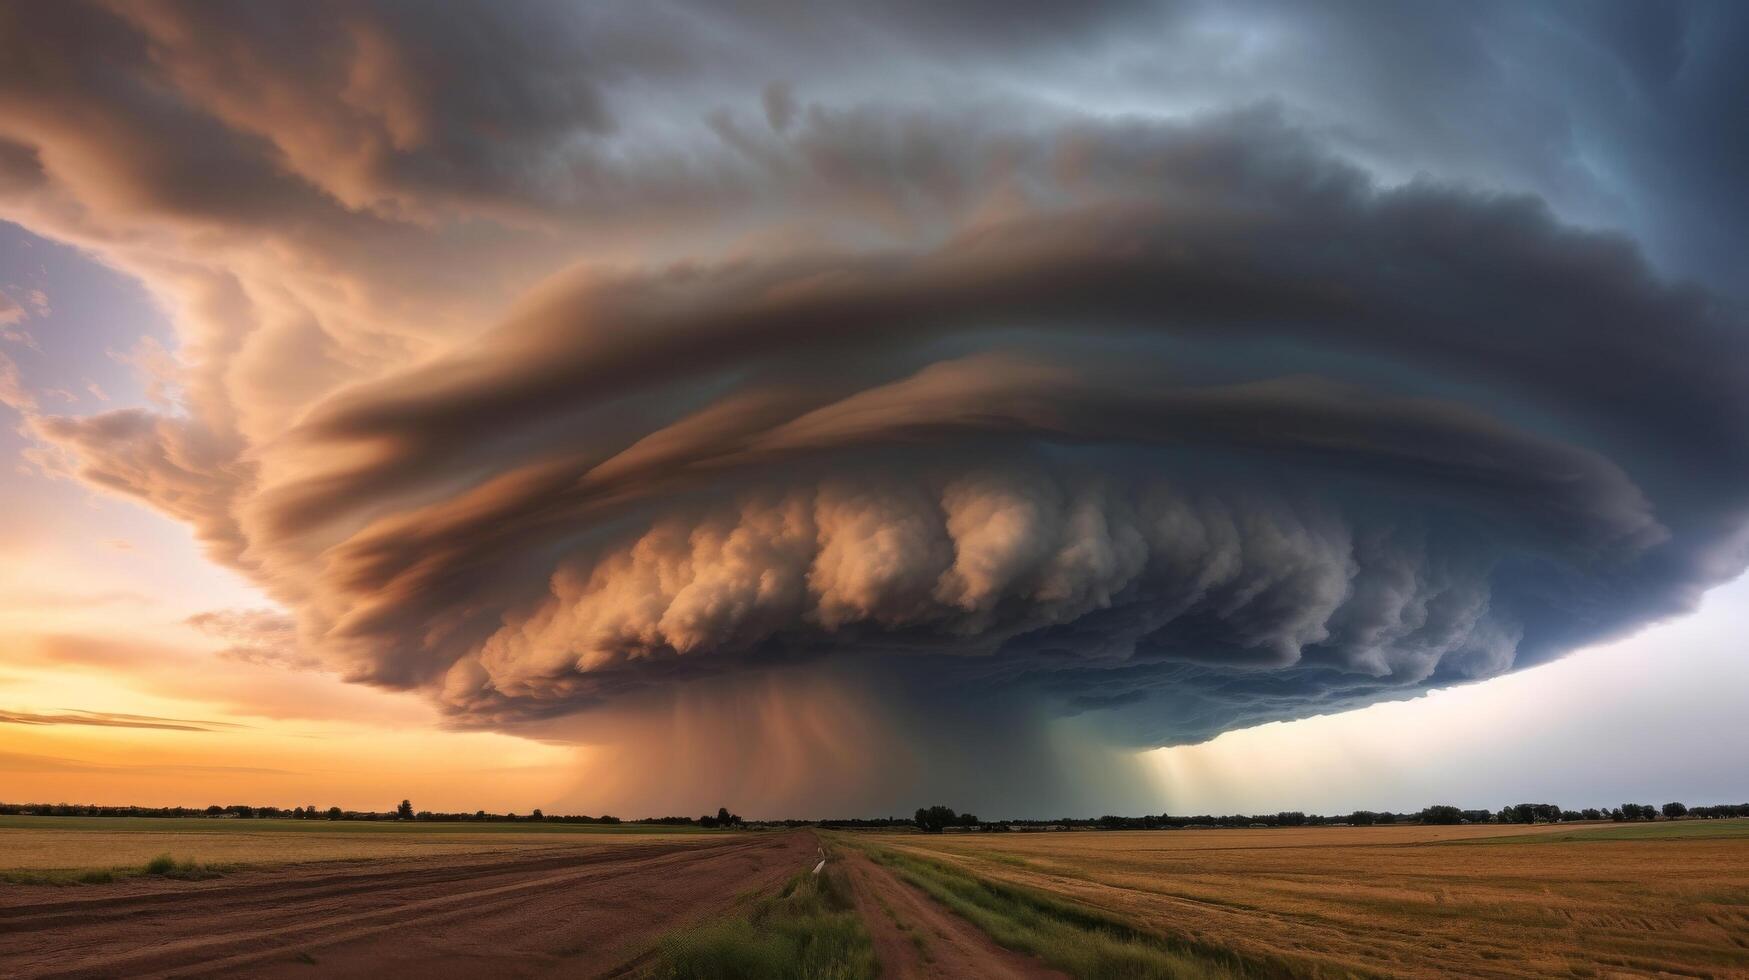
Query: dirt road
point(916, 937)
point(578, 911)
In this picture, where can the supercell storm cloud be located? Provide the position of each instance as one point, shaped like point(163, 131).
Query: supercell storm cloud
point(553, 362)
point(1254, 444)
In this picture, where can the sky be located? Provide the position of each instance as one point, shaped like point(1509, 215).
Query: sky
point(1038, 409)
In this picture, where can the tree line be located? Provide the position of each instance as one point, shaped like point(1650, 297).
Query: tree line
point(403, 811)
point(244, 811)
point(936, 819)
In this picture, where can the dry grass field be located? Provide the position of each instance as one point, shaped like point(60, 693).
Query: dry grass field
point(1402, 901)
point(71, 844)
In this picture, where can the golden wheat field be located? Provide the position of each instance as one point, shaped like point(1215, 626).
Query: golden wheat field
point(1408, 901)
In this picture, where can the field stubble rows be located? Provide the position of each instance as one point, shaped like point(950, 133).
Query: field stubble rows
point(1403, 901)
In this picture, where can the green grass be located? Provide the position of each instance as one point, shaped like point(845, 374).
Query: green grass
point(1660, 830)
point(165, 866)
point(162, 866)
point(808, 931)
point(223, 826)
point(1081, 941)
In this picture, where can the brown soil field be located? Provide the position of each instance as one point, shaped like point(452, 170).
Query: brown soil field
point(585, 908)
point(1401, 901)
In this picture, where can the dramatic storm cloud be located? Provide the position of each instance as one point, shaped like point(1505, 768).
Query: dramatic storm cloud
point(1172, 368)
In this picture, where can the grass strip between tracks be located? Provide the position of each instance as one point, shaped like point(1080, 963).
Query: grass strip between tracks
point(808, 931)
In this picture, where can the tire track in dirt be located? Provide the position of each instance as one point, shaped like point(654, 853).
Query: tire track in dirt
point(916, 938)
point(577, 914)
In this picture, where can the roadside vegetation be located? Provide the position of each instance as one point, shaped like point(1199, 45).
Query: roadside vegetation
point(1078, 940)
point(809, 931)
point(162, 866)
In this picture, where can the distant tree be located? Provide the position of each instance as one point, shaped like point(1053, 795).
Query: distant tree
point(1441, 814)
point(537, 815)
point(727, 819)
point(214, 810)
point(479, 814)
point(1617, 815)
point(935, 818)
point(243, 810)
point(297, 813)
point(334, 813)
point(1591, 813)
point(404, 811)
point(1674, 810)
point(707, 821)
point(1362, 818)
point(1290, 818)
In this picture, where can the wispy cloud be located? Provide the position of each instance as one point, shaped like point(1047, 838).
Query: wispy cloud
point(10, 311)
point(19, 762)
point(110, 719)
point(13, 393)
point(234, 685)
point(256, 636)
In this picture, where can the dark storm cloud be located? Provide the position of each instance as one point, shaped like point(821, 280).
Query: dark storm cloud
point(1251, 412)
point(1128, 361)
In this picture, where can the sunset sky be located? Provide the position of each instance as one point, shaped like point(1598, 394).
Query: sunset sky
point(835, 409)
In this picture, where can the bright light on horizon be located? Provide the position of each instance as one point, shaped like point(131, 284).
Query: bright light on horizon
point(1594, 728)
